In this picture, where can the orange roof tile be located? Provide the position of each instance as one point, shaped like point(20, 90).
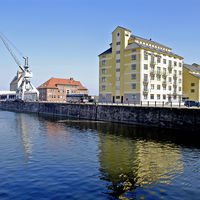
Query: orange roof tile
point(53, 82)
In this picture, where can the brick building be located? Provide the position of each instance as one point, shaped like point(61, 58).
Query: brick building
point(56, 89)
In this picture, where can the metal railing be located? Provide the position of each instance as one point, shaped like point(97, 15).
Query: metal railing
point(162, 104)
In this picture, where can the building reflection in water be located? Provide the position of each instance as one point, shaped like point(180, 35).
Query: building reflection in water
point(132, 157)
point(128, 163)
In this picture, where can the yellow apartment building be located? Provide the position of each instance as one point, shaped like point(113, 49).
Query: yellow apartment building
point(191, 82)
point(135, 69)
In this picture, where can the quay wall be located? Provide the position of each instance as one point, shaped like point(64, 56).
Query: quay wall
point(173, 118)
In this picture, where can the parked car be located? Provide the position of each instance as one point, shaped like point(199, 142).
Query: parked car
point(192, 103)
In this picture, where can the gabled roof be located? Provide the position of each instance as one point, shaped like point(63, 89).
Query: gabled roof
point(122, 28)
point(149, 41)
point(106, 52)
point(196, 75)
point(53, 82)
point(136, 45)
point(192, 68)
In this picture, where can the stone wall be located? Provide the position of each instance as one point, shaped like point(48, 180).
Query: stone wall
point(173, 118)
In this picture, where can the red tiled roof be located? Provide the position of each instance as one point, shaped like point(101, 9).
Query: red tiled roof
point(53, 82)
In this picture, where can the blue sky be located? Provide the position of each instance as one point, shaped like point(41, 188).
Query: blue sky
point(63, 37)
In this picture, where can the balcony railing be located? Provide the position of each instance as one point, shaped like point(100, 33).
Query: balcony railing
point(152, 72)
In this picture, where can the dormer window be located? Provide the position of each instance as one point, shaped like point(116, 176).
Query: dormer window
point(118, 34)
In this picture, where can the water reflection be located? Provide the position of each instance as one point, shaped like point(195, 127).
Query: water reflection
point(130, 158)
point(23, 125)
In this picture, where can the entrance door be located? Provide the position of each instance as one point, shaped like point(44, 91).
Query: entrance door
point(113, 99)
point(122, 99)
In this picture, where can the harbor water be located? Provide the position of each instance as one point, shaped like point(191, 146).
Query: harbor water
point(48, 158)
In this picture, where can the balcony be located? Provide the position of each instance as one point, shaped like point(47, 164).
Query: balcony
point(145, 91)
point(175, 76)
point(153, 62)
point(158, 73)
point(145, 81)
point(152, 71)
point(169, 67)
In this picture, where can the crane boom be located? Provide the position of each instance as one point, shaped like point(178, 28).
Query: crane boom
point(24, 85)
point(11, 53)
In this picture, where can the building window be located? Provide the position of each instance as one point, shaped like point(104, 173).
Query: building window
point(117, 69)
point(179, 80)
point(179, 89)
point(170, 79)
point(103, 87)
point(145, 77)
point(152, 86)
point(179, 72)
point(117, 97)
point(174, 97)
point(103, 62)
point(158, 70)
point(164, 61)
point(170, 87)
point(158, 60)
point(103, 79)
point(152, 77)
point(145, 96)
point(145, 87)
point(133, 76)
point(118, 61)
point(103, 71)
point(145, 57)
point(117, 43)
point(152, 96)
point(164, 71)
point(164, 87)
point(133, 96)
point(133, 85)
point(158, 96)
point(170, 63)
point(158, 87)
point(175, 63)
point(118, 34)
point(67, 91)
point(192, 90)
point(133, 66)
point(133, 57)
point(192, 84)
point(117, 52)
point(158, 78)
point(164, 96)
point(180, 64)
point(145, 67)
point(134, 50)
